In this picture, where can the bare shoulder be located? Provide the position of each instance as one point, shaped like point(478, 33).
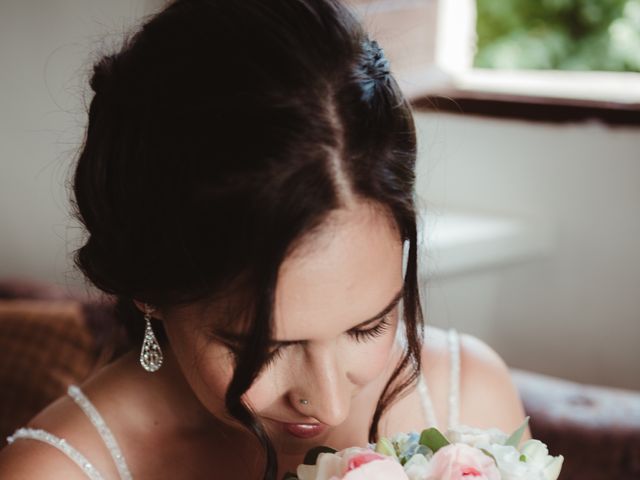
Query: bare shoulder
point(488, 396)
point(34, 460)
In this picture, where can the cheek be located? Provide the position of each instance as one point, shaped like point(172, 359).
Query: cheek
point(264, 391)
point(215, 371)
point(369, 360)
point(205, 367)
point(209, 378)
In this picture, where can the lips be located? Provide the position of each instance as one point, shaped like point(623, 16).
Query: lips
point(304, 430)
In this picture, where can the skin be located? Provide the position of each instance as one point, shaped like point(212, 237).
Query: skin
point(176, 416)
point(331, 366)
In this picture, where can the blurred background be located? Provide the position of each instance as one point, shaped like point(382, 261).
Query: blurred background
point(559, 34)
point(530, 229)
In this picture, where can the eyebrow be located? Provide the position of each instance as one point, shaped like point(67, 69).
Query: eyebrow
point(233, 337)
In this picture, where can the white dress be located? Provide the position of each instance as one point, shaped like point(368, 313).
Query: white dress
point(96, 419)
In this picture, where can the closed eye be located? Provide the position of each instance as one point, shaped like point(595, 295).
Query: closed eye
point(379, 329)
point(358, 335)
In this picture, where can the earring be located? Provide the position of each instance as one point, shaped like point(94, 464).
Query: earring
point(304, 401)
point(150, 354)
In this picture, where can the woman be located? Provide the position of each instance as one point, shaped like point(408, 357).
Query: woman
point(247, 185)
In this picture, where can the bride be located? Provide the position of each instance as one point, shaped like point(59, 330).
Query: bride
point(247, 187)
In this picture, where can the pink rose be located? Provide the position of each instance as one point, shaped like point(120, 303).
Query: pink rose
point(353, 464)
point(462, 462)
point(373, 466)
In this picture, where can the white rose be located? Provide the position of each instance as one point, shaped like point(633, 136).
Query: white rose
point(537, 464)
point(510, 465)
point(327, 465)
point(537, 454)
point(475, 436)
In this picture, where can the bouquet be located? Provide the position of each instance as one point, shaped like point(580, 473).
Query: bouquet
point(462, 453)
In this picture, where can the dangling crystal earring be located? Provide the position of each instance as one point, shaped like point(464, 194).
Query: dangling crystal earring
point(150, 354)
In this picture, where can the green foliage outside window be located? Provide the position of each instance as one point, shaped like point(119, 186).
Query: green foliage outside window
point(559, 34)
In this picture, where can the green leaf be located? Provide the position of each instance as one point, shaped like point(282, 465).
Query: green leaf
point(488, 453)
point(312, 455)
point(385, 447)
point(514, 439)
point(523, 458)
point(433, 439)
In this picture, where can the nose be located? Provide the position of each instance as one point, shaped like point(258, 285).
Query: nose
point(326, 387)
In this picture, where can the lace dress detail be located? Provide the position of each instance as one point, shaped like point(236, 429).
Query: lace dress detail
point(454, 386)
point(96, 419)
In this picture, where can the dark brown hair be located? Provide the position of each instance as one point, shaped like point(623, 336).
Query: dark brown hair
point(220, 135)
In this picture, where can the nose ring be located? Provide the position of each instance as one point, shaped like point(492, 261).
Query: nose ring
point(304, 401)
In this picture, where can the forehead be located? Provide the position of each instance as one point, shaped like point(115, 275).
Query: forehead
point(347, 272)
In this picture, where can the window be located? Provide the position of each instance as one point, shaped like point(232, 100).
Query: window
point(541, 59)
point(577, 35)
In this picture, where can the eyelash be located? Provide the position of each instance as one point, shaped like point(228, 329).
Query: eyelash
point(358, 335)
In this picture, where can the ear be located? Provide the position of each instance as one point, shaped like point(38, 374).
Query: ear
point(155, 313)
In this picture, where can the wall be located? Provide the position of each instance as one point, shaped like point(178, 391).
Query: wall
point(574, 313)
point(46, 49)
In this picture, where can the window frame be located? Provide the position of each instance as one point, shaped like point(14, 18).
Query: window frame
point(453, 85)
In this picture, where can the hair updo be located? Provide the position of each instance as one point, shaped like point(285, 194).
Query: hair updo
point(220, 134)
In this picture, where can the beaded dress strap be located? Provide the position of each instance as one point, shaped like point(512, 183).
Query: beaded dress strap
point(454, 386)
point(61, 444)
point(427, 405)
point(97, 421)
point(454, 378)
